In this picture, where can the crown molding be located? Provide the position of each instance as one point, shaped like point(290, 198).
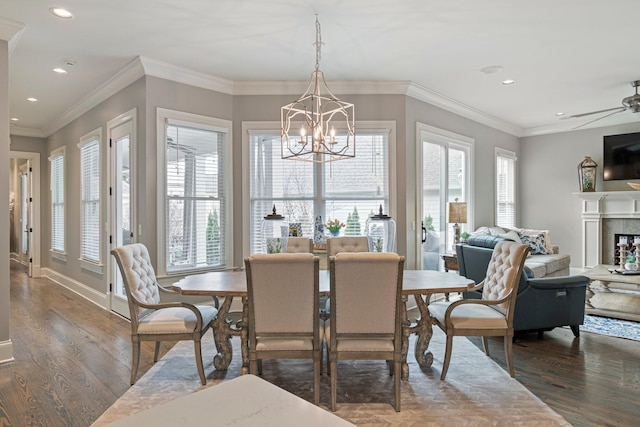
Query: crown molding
point(449, 104)
point(20, 131)
point(142, 66)
point(129, 74)
point(9, 28)
point(164, 70)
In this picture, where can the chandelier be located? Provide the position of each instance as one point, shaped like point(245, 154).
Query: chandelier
point(317, 116)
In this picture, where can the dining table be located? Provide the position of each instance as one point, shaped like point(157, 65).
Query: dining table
point(230, 284)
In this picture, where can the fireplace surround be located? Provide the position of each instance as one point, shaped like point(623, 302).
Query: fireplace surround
point(605, 214)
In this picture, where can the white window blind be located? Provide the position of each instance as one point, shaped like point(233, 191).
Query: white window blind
point(57, 200)
point(196, 200)
point(505, 189)
point(348, 190)
point(90, 199)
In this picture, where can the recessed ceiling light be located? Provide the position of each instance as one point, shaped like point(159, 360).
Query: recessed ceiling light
point(492, 69)
point(508, 82)
point(60, 70)
point(559, 114)
point(14, 119)
point(61, 13)
point(32, 99)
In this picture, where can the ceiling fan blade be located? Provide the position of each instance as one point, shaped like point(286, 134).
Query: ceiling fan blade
point(618, 110)
point(592, 112)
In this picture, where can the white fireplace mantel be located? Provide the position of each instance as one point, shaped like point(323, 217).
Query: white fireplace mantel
point(600, 205)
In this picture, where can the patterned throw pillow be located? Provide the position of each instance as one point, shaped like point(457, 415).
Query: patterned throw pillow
point(536, 242)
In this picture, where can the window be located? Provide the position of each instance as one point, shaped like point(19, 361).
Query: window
point(90, 197)
point(348, 190)
point(505, 188)
point(197, 176)
point(57, 202)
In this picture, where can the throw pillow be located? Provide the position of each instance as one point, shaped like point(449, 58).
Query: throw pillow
point(547, 238)
point(536, 242)
point(512, 235)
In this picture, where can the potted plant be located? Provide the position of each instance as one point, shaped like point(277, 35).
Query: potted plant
point(464, 237)
point(630, 262)
point(334, 226)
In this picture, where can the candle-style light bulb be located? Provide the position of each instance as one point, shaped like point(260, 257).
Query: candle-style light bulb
point(333, 135)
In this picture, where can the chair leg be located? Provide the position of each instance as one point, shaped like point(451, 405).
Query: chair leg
point(508, 353)
point(485, 345)
point(447, 356)
point(157, 352)
point(333, 371)
point(253, 366)
point(135, 359)
point(576, 330)
point(198, 351)
point(396, 382)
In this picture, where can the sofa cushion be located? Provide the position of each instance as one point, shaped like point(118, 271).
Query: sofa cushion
point(484, 240)
point(546, 265)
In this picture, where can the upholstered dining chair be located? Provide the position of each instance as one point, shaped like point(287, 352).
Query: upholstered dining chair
point(153, 320)
point(492, 315)
point(284, 320)
point(299, 245)
point(335, 245)
point(366, 313)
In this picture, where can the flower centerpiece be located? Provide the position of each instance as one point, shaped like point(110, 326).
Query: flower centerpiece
point(334, 226)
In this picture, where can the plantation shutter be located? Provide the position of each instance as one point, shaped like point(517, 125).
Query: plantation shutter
point(505, 189)
point(90, 200)
point(57, 201)
point(195, 208)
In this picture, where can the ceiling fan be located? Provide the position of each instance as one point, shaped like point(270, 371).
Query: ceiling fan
point(630, 103)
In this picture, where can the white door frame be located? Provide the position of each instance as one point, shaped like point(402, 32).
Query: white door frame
point(34, 236)
point(117, 303)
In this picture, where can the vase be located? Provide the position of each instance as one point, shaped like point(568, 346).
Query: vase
point(631, 266)
point(334, 233)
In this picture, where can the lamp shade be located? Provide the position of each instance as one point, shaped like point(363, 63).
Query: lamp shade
point(458, 212)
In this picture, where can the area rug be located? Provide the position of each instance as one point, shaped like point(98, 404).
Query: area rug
point(476, 392)
point(612, 327)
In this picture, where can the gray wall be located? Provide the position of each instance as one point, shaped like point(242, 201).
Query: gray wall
point(549, 176)
point(4, 195)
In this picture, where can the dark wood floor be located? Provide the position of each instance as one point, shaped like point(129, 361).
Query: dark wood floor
point(73, 361)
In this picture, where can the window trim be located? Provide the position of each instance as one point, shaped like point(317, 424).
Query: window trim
point(95, 266)
point(205, 122)
point(60, 255)
point(253, 127)
point(503, 152)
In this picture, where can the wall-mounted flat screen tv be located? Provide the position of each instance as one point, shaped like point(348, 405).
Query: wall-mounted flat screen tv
point(622, 156)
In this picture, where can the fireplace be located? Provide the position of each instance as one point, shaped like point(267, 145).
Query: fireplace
point(606, 216)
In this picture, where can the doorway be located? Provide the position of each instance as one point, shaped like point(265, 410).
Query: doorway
point(24, 209)
point(443, 176)
point(121, 131)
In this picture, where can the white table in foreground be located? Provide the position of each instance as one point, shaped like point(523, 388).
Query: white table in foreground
point(242, 401)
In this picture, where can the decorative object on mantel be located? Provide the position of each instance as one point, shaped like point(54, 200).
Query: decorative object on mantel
point(321, 116)
point(334, 227)
point(318, 231)
point(634, 185)
point(587, 174)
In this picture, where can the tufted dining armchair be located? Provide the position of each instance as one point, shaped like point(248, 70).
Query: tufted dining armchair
point(152, 320)
point(492, 315)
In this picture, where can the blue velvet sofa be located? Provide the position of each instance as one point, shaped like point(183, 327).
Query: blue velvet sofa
point(542, 303)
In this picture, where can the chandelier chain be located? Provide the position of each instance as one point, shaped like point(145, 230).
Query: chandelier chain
point(318, 44)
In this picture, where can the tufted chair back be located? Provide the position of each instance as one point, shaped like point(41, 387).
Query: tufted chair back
point(335, 245)
point(138, 276)
point(299, 245)
point(503, 274)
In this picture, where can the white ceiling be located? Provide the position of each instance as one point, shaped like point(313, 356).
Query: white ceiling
point(573, 56)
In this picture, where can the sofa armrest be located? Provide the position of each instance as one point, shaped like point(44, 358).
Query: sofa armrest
point(563, 282)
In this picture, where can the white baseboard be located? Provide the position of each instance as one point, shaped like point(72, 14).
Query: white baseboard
point(85, 291)
point(6, 352)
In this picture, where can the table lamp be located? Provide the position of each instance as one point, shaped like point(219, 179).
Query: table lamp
point(457, 216)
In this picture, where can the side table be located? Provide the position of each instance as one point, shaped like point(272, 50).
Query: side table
point(450, 262)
